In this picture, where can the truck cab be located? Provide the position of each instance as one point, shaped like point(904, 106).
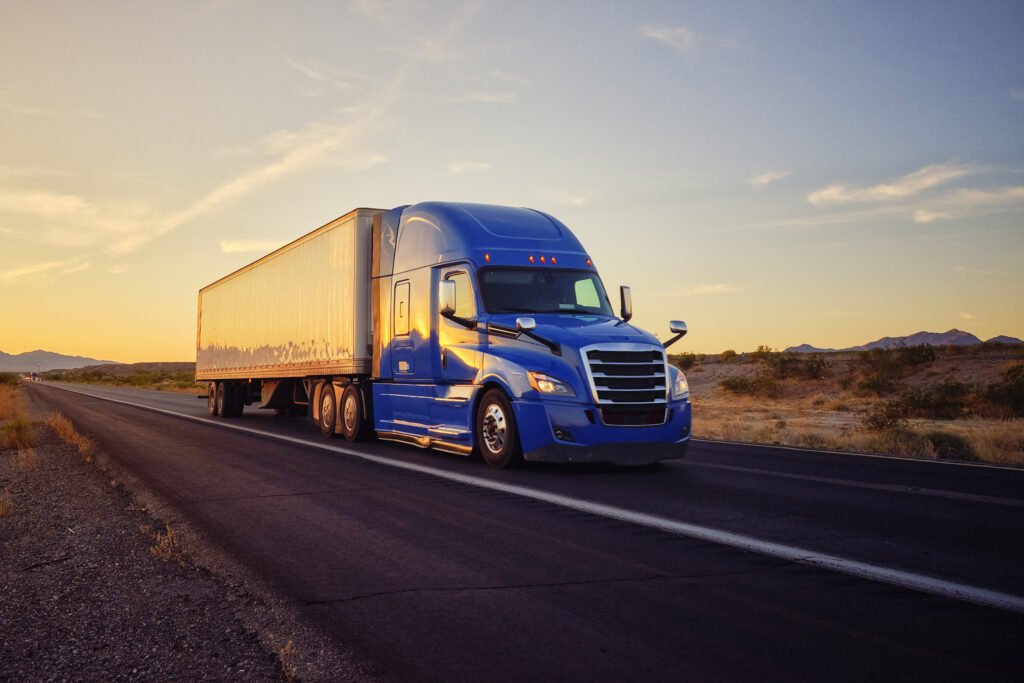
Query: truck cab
point(492, 329)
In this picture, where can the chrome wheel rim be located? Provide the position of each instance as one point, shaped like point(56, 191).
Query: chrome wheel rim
point(327, 408)
point(495, 429)
point(350, 413)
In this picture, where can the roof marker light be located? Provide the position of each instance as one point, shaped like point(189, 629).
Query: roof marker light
point(487, 257)
point(553, 261)
point(531, 258)
point(589, 263)
point(542, 260)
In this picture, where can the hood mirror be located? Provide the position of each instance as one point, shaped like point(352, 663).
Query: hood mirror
point(626, 308)
point(526, 324)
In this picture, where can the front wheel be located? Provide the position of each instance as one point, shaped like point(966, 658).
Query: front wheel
point(496, 433)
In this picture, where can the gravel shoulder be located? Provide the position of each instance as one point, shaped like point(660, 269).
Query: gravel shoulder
point(83, 596)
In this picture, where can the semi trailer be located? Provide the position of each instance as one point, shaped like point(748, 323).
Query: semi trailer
point(461, 327)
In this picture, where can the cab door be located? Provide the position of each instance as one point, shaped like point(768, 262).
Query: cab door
point(459, 346)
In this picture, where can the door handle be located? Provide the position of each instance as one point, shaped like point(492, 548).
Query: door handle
point(444, 359)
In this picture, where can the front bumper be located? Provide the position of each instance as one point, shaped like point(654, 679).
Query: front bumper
point(594, 442)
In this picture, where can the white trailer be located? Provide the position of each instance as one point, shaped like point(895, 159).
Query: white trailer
point(300, 311)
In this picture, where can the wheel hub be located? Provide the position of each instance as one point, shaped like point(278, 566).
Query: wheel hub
point(495, 429)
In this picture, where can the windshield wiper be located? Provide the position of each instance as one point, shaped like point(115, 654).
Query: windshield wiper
point(571, 310)
point(513, 310)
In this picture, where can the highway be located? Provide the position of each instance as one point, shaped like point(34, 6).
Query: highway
point(739, 562)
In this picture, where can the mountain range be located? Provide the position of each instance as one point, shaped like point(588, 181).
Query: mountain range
point(952, 337)
point(40, 361)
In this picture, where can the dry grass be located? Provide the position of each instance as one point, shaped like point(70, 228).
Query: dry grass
point(6, 505)
point(9, 403)
point(287, 656)
point(17, 433)
point(27, 459)
point(166, 547)
point(66, 431)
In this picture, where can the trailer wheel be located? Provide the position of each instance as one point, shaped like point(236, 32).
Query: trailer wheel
point(211, 399)
point(236, 398)
point(352, 424)
point(328, 410)
point(221, 400)
point(496, 433)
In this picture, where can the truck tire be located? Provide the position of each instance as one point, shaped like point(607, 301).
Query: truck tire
point(211, 399)
point(353, 426)
point(222, 399)
point(236, 398)
point(496, 435)
point(328, 410)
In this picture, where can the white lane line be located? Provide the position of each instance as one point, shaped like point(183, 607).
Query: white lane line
point(895, 577)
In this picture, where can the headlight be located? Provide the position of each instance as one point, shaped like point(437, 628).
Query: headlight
point(546, 384)
point(680, 387)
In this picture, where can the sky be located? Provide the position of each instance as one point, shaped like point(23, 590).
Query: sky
point(771, 173)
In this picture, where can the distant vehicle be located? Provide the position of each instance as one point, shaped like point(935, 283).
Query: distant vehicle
point(453, 326)
point(35, 377)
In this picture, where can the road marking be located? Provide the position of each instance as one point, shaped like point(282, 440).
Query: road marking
point(871, 572)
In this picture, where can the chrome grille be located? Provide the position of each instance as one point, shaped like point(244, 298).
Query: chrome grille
point(629, 382)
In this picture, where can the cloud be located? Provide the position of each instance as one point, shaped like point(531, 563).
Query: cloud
point(321, 75)
point(119, 269)
point(715, 289)
point(464, 166)
point(75, 269)
point(34, 269)
point(760, 180)
point(563, 197)
point(493, 98)
point(246, 246)
point(67, 219)
point(925, 216)
point(907, 186)
point(677, 37)
point(967, 316)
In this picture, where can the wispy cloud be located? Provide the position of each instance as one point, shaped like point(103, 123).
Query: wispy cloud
point(967, 316)
point(246, 246)
point(677, 37)
point(762, 179)
point(563, 197)
point(715, 289)
point(75, 269)
point(319, 75)
point(119, 269)
point(493, 97)
point(34, 269)
point(466, 166)
point(907, 186)
point(67, 219)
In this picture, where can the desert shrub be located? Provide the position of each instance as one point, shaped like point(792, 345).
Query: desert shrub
point(728, 355)
point(757, 386)
point(6, 506)
point(955, 350)
point(17, 433)
point(951, 446)
point(786, 365)
point(878, 382)
point(846, 381)
point(8, 379)
point(1009, 393)
point(922, 354)
point(683, 361)
point(763, 353)
point(944, 401)
point(886, 415)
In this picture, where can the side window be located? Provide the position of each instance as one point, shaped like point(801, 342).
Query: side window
point(465, 306)
point(401, 309)
point(586, 294)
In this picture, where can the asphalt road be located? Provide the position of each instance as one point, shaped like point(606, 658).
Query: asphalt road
point(737, 563)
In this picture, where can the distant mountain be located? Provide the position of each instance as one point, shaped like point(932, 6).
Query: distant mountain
point(40, 361)
point(952, 337)
point(1003, 339)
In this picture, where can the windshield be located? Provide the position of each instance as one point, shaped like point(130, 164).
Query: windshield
point(543, 290)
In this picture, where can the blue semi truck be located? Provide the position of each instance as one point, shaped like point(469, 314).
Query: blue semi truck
point(462, 327)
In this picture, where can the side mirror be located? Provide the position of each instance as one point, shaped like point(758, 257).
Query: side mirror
point(446, 298)
point(526, 324)
point(626, 308)
point(677, 327)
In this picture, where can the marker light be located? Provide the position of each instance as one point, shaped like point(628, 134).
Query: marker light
point(531, 258)
point(487, 257)
point(542, 260)
point(589, 263)
point(553, 261)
